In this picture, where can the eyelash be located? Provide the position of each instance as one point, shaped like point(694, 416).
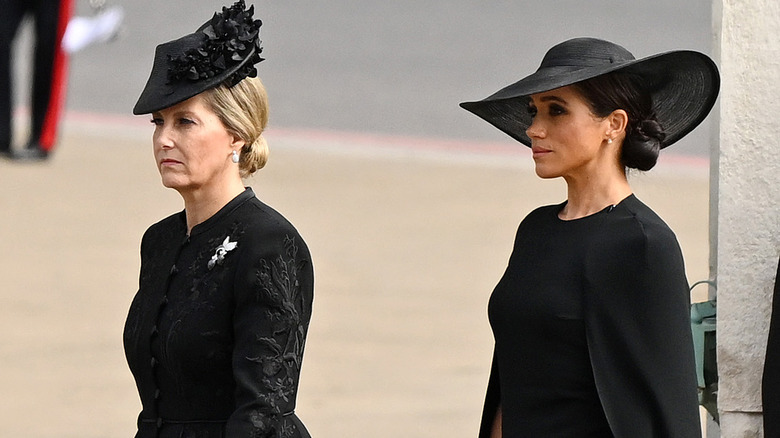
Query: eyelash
point(554, 110)
point(557, 110)
point(157, 121)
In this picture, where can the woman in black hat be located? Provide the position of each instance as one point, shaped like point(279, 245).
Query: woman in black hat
point(591, 318)
point(215, 334)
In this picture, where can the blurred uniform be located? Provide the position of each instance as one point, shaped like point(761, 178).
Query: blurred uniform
point(49, 75)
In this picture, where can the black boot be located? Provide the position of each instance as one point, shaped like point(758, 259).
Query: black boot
point(32, 152)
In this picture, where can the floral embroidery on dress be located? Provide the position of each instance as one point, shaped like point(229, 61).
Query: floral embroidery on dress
point(280, 293)
point(270, 426)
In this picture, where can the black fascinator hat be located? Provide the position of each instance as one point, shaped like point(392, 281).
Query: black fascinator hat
point(224, 49)
point(683, 85)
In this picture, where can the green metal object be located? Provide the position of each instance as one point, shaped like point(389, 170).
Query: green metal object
point(703, 327)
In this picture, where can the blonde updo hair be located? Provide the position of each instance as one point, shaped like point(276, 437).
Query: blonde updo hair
point(243, 109)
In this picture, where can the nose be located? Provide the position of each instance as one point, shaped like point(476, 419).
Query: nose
point(161, 138)
point(535, 130)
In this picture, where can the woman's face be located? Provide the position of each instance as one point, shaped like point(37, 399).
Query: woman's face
point(567, 139)
point(192, 147)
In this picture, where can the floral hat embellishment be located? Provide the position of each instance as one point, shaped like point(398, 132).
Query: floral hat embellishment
point(221, 252)
point(231, 37)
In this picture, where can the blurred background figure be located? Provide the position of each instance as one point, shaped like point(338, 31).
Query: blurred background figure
point(101, 27)
point(50, 19)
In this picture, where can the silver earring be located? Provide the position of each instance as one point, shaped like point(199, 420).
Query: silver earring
point(609, 141)
point(235, 157)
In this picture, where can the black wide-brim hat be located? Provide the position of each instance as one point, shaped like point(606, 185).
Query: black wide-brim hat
point(683, 85)
point(224, 49)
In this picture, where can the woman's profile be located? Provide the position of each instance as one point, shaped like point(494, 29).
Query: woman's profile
point(215, 334)
point(591, 317)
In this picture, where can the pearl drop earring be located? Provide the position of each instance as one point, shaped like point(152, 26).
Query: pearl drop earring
point(235, 157)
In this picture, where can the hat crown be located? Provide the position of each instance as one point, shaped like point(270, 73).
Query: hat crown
point(228, 39)
point(585, 52)
point(224, 50)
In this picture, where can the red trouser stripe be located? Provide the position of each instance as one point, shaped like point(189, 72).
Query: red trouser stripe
point(59, 79)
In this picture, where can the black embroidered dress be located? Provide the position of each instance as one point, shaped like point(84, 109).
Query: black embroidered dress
point(592, 327)
point(215, 334)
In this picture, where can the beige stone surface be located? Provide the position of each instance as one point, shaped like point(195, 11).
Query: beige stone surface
point(747, 204)
point(408, 243)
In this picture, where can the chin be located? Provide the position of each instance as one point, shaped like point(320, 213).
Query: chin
point(172, 183)
point(543, 173)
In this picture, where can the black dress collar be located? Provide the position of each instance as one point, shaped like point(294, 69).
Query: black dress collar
point(234, 203)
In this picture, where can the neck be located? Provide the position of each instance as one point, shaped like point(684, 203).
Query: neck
point(593, 193)
point(204, 202)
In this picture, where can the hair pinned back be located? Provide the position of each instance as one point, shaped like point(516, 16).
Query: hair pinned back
point(243, 109)
point(642, 144)
point(622, 90)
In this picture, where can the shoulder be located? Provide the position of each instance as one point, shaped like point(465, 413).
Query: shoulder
point(545, 212)
point(631, 240)
point(632, 220)
point(267, 229)
point(541, 215)
point(262, 214)
point(271, 254)
point(164, 231)
point(171, 222)
point(262, 219)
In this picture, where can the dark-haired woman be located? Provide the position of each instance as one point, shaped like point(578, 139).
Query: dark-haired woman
point(215, 334)
point(591, 317)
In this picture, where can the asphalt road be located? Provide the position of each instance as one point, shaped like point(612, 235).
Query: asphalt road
point(397, 68)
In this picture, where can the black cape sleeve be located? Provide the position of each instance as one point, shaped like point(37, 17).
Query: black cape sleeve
point(770, 385)
point(637, 316)
point(492, 400)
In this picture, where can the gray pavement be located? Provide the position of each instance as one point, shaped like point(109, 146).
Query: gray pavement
point(408, 237)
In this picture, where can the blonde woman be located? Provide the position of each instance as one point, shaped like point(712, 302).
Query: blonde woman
point(215, 334)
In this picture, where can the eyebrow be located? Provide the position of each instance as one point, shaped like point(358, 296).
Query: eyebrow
point(184, 113)
point(181, 113)
point(552, 98)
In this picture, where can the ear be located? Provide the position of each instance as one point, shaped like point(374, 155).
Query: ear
point(236, 142)
point(617, 121)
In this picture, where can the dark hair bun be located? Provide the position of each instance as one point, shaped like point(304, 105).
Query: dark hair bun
point(641, 147)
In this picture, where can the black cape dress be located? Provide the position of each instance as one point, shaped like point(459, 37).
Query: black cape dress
point(592, 330)
point(215, 335)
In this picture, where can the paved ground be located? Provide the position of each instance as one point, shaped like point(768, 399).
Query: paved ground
point(408, 238)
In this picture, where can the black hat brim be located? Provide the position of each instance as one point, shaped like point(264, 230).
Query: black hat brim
point(160, 93)
point(684, 89)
